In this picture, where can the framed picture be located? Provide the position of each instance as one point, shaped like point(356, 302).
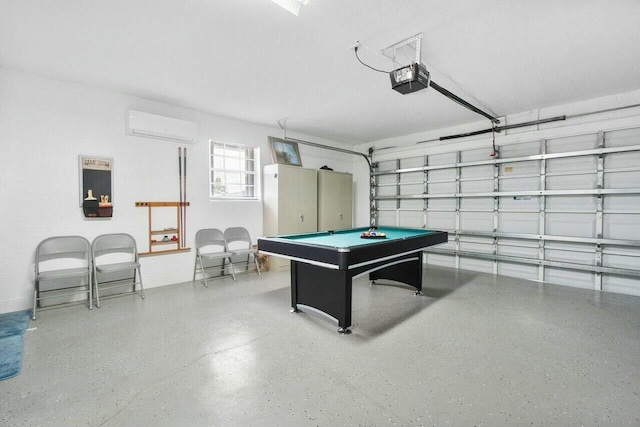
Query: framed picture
point(284, 152)
point(96, 186)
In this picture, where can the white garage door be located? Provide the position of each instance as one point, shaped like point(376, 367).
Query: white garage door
point(563, 211)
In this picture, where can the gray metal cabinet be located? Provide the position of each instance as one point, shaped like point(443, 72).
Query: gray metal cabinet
point(290, 203)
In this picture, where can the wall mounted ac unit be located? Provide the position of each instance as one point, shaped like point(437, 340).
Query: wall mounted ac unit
point(160, 127)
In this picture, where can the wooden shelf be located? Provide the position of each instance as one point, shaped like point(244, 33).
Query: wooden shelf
point(168, 231)
point(161, 242)
point(177, 232)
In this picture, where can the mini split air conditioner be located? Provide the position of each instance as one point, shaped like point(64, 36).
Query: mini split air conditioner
point(160, 127)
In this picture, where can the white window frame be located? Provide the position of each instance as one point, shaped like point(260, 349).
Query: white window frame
point(249, 169)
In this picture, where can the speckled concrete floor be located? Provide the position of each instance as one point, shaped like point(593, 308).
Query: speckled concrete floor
point(475, 350)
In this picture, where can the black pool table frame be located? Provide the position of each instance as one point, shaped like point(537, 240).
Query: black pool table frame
point(321, 276)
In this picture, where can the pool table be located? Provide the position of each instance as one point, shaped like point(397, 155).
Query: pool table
point(323, 264)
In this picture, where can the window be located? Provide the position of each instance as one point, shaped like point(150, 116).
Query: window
point(232, 171)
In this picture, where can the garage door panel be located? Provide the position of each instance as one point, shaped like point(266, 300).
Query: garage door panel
point(476, 265)
point(411, 219)
point(481, 240)
point(441, 221)
point(439, 260)
point(622, 202)
point(623, 160)
point(622, 138)
point(412, 189)
point(628, 260)
point(621, 227)
point(572, 143)
point(442, 188)
point(622, 179)
point(528, 223)
point(413, 177)
point(517, 251)
point(387, 165)
point(412, 204)
point(412, 162)
point(619, 284)
point(521, 271)
point(578, 279)
point(448, 204)
point(572, 164)
point(520, 184)
point(572, 203)
point(574, 225)
point(476, 203)
point(477, 221)
point(572, 182)
point(483, 171)
point(386, 218)
point(520, 150)
point(442, 158)
point(520, 203)
point(477, 186)
point(583, 258)
point(475, 155)
point(386, 204)
point(520, 168)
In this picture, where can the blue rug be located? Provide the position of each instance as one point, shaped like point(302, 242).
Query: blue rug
point(10, 356)
point(12, 326)
point(14, 323)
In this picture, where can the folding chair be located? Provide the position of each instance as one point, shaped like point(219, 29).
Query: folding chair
point(210, 247)
point(60, 259)
point(113, 256)
point(239, 243)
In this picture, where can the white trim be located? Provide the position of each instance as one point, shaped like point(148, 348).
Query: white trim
point(306, 261)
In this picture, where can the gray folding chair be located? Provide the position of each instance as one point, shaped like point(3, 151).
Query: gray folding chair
point(60, 260)
point(115, 258)
point(211, 247)
point(239, 244)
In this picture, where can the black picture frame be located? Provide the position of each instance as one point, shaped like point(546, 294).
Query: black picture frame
point(96, 186)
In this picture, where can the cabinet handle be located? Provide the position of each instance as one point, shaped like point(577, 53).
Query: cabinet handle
point(301, 218)
point(340, 216)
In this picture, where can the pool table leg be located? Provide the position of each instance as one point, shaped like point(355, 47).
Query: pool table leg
point(409, 272)
point(294, 287)
point(324, 289)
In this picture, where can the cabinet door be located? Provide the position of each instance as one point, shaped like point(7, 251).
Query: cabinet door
point(288, 211)
point(334, 200)
point(345, 213)
point(307, 200)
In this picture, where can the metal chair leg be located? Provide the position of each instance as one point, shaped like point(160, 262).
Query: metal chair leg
point(90, 284)
point(35, 303)
point(195, 266)
point(97, 291)
point(141, 287)
point(204, 273)
point(257, 265)
point(233, 272)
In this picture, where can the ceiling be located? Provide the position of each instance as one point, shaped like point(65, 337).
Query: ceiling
point(253, 60)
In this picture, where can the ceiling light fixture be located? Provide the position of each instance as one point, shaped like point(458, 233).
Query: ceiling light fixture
point(292, 6)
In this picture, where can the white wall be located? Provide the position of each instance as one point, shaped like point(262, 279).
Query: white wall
point(45, 124)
